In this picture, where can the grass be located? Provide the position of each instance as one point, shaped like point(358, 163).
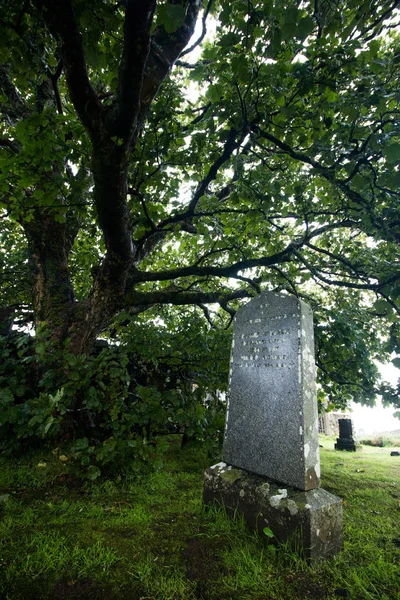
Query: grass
point(150, 538)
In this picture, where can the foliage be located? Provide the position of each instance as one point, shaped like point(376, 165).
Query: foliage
point(382, 441)
point(140, 173)
point(128, 400)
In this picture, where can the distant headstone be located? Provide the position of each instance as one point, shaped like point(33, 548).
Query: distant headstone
point(345, 441)
point(271, 468)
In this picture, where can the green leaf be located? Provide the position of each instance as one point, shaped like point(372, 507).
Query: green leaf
point(305, 27)
point(198, 73)
point(172, 16)
point(268, 5)
point(229, 39)
point(49, 423)
point(289, 27)
point(39, 194)
point(93, 473)
point(214, 92)
point(383, 307)
point(268, 532)
point(291, 14)
point(392, 153)
point(275, 43)
point(374, 46)
point(81, 444)
point(241, 68)
point(60, 218)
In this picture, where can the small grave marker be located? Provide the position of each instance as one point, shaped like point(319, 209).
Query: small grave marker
point(345, 441)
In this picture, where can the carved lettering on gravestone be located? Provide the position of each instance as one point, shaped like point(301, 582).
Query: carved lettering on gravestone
point(272, 420)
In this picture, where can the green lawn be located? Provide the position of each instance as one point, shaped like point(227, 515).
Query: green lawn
point(151, 538)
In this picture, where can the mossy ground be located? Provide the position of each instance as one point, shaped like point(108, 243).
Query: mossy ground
point(150, 537)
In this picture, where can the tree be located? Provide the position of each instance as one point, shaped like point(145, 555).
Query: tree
point(121, 191)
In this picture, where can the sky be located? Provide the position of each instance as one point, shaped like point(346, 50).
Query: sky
point(378, 419)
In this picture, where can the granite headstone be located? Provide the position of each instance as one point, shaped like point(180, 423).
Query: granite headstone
point(272, 421)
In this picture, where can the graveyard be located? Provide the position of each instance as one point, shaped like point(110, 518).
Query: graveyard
point(282, 513)
point(151, 537)
point(199, 233)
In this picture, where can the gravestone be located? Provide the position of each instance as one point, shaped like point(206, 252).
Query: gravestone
point(272, 422)
point(345, 441)
point(271, 468)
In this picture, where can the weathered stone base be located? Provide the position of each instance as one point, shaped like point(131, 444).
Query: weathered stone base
point(346, 444)
point(311, 521)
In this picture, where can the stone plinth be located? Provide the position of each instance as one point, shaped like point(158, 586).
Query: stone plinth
point(343, 444)
point(272, 419)
point(311, 521)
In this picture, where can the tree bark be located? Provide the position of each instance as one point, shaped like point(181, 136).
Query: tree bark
point(52, 290)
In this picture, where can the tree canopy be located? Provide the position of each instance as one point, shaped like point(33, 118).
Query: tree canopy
point(147, 164)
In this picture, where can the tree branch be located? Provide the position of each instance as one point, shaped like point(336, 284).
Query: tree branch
point(207, 314)
point(179, 298)
point(327, 173)
point(165, 48)
point(148, 242)
point(138, 20)
point(231, 144)
point(334, 257)
point(4, 143)
point(286, 278)
point(17, 108)
point(390, 301)
point(54, 77)
point(349, 284)
point(343, 382)
point(225, 306)
point(226, 271)
point(378, 22)
point(203, 30)
point(60, 18)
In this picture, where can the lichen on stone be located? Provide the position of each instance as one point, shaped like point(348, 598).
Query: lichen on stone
point(263, 489)
point(231, 476)
point(276, 500)
point(293, 508)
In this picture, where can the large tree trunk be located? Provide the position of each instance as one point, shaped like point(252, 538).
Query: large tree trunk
point(63, 326)
point(52, 292)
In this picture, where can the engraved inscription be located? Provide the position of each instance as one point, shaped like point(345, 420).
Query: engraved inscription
point(269, 318)
point(266, 349)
